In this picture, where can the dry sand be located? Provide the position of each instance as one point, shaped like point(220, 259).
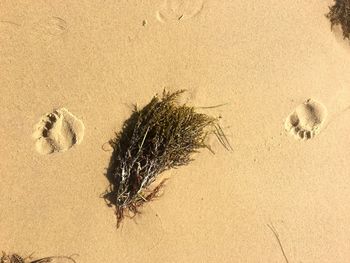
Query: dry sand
point(97, 58)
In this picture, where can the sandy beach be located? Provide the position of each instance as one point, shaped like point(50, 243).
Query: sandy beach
point(96, 59)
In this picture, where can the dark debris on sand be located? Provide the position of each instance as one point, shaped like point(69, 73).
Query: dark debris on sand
point(15, 258)
point(160, 136)
point(339, 14)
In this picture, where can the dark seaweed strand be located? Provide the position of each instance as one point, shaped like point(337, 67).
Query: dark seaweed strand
point(339, 13)
point(15, 258)
point(160, 136)
point(49, 259)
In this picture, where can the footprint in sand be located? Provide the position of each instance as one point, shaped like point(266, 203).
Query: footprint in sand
point(306, 120)
point(176, 10)
point(58, 131)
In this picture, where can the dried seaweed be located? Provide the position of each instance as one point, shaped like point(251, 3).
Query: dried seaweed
point(15, 258)
point(339, 14)
point(160, 136)
point(275, 233)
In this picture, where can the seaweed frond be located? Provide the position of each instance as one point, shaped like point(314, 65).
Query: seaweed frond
point(160, 136)
point(339, 14)
point(15, 258)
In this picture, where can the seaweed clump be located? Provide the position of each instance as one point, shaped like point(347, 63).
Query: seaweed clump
point(15, 258)
point(339, 14)
point(160, 136)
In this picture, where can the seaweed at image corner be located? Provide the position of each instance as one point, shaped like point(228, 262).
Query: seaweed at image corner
point(15, 258)
point(339, 14)
point(160, 136)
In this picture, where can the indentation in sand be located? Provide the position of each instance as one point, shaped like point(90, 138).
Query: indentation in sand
point(58, 131)
point(306, 120)
point(53, 26)
point(177, 10)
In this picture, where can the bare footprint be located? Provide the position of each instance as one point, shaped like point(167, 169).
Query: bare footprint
point(58, 131)
point(306, 120)
point(176, 10)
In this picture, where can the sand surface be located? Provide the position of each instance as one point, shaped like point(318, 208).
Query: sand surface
point(98, 58)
